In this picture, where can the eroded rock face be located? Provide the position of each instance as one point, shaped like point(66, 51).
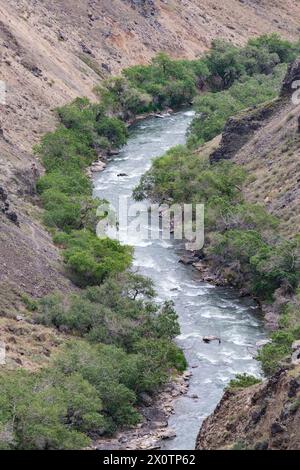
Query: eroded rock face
point(145, 7)
point(293, 75)
point(261, 417)
point(239, 129)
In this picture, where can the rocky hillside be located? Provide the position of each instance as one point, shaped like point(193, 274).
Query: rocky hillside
point(262, 417)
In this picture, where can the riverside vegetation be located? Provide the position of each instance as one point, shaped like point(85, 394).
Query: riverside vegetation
point(242, 240)
point(121, 340)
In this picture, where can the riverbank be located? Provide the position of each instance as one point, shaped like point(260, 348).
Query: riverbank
point(208, 274)
point(153, 430)
point(202, 308)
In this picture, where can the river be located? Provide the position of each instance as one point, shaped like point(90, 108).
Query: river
point(202, 308)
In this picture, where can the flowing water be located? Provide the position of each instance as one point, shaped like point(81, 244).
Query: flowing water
point(202, 308)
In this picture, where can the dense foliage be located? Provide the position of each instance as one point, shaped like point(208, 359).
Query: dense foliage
point(93, 384)
point(242, 239)
point(66, 191)
point(162, 84)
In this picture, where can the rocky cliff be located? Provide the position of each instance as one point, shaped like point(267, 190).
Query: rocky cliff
point(261, 417)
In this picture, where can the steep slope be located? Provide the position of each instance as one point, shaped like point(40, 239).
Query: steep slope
point(265, 141)
point(262, 417)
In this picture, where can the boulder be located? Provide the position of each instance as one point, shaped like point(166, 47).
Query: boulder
point(296, 345)
point(277, 428)
point(146, 399)
point(292, 75)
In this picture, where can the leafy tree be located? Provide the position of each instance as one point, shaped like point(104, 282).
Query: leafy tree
point(47, 411)
point(90, 259)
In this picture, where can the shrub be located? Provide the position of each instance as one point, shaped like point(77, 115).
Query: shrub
point(113, 130)
point(47, 410)
point(90, 259)
point(285, 50)
point(273, 353)
point(243, 381)
point(121, 98)
point(158, 357)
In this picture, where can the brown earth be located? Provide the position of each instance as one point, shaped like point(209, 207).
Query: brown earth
point(261, 417)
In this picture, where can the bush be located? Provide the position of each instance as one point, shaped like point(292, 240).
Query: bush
point(90, 259)
point(121, 98)
point(113, 130)
point(243, 381)
point(214, 109)
point(47, 410)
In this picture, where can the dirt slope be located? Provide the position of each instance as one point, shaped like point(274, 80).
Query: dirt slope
point(262, 417)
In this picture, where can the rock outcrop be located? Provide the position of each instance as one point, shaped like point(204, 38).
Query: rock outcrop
point(293, 75)
point(261, 417)
point(239, 129)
